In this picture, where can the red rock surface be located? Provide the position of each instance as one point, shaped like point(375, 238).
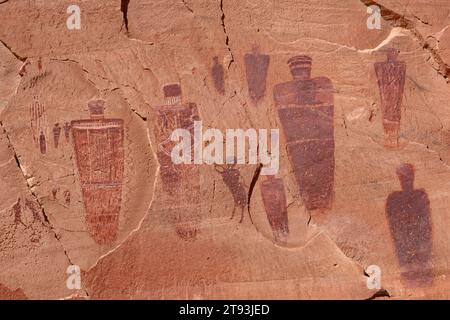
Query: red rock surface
point(97, 192)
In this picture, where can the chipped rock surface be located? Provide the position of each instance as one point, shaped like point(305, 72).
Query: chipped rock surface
point(86, 177)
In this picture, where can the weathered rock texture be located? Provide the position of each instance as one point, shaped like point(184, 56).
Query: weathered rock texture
point(364, 151)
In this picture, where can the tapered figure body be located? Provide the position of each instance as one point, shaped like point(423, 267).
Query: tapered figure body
point(274, 198)
point(408, 212)
point(180, 181)
point(305, 109)
point(67, 131)
point(42, 143)
point(38, 124)
point(391, 82)
point(256, 66)
point(56, 135)
point(99, 153)
point(218, 75)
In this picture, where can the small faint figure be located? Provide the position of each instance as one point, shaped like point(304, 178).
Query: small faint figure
point(38, 124)
point(67, 131)
point(40, 64)
point(67, 197)
point(56, 134)
point(218, 75)
point(54, 193)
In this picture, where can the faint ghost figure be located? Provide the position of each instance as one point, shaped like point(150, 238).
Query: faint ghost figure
point(67, 131)
point(391, 81)
point(305, 108)
point(67, 197)
point(55, 192)
point(56, 135)
point(218, 75)
point(256, 66)
point(275, 204)
point(38, 123)
point(180, 182)
point(408, 212)
point(99, 153)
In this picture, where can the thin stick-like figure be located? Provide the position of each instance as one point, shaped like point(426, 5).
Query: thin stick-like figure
point(235, 183)
point(38, 123)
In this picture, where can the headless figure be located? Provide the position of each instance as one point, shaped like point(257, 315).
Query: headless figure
point(274, 199)
point(218, 76)
point(408, 212)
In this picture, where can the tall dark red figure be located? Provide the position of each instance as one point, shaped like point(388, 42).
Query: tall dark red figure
point(408, 212)
point(181, 182)
point(306, 111)
point(391, 81)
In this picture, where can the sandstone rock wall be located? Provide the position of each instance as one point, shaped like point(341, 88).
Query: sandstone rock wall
point(227, 232)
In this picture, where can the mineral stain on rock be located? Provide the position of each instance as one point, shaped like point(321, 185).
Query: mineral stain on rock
point(408, 213)
point(306, 112)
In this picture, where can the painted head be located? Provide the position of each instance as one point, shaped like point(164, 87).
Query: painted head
point(405, 174)
point(392, 54)
point(172, 93)
point(300, 67)
point(96, 108)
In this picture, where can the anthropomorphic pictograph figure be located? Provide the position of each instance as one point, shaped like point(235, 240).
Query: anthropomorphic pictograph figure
point(391, 82)
point(408, 213)
point(306, 112)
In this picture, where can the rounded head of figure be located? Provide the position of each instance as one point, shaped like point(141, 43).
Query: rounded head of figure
point(96, 108)
point(392, 54)
point(300, 67)
point(405, 174)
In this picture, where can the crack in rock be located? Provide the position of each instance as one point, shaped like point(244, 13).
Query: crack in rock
point(227, 38)
point(187, 6)
point(397, 20)
point(252, 186)
point(18, 57)
point(47, 223)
